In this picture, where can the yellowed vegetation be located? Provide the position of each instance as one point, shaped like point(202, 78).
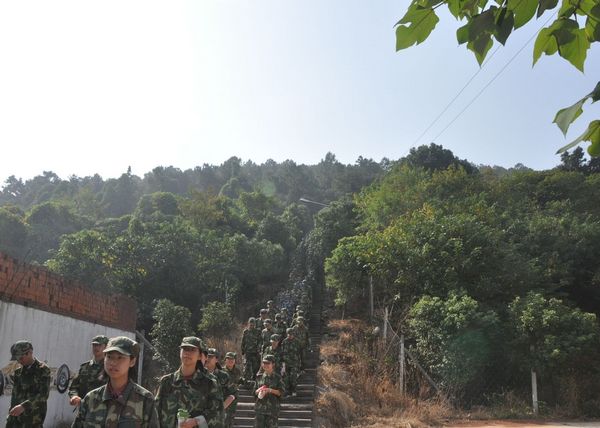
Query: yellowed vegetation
point(357, 389)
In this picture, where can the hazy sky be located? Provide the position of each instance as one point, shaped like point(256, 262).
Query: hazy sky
point(94, 87)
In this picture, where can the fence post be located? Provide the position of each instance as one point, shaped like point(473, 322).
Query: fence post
point(385, 324)
point(140, 360)
point(402, 364)
point(534, 392)
point(371, 309)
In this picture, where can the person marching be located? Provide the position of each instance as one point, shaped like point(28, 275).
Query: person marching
point(251, 350)
point(120, 402)
point(270, 389)
point(280, 326)
point(260, 321)
point(90, 375)
point(190, 393)
point(291, 361)
point(31, 386)
point(227, 389)
point(301, 333)
point(271, 310)
point(235, 377)
point(275, 349)
point(266, 334)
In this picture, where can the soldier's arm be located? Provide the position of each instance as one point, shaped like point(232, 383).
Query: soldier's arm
point(75, 385)
point(214, 411)
point(83, 410)
point(151, 414)
point(159, 401)
point(43, 390)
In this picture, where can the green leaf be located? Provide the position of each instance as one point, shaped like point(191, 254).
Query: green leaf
point(595, 94)
point(592, 24)
point(566, 116)
point(481, 47)
point(546, 5)
point(422, 22)
point(575, 50)
point(592, 134)
point(482, 24)
point(428, 3)
point(523, 10)
point(454, 7)
point(566, 9)
point(544, 43)
point(462, 34)
point(504, 25)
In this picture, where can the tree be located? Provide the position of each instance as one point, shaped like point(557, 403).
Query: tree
point(217, 319)
point(171, 324)
point(567, 35)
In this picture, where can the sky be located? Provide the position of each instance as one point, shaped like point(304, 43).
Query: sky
point(95, 87)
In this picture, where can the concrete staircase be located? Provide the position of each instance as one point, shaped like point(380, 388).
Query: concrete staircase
point(295, 411)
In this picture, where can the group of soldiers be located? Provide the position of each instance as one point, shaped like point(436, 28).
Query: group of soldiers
point(274, 333)
point(200, 393)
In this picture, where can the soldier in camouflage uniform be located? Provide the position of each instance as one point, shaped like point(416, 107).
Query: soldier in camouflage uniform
point(91, 372)
point(260, 321)
point(285, 317)
point(298, 314)
point(121, 402)
point(190, 388)
point(266, 334)
point(279, 326)
point(235, 377)
point(271, 310)
point(275, 349)
point(291, 361)
point(301, 334)
point(268, 394)
point(31, 386)
point(228, 390)
point(251, 350)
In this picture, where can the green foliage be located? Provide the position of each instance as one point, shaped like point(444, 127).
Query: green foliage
point(171, 324)
point(14, 233)
point(454, 337)
point(217, 319)
point(549, 333)
point(568, 35)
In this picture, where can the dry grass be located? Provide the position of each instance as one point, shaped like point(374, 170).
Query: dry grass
point(358, 390)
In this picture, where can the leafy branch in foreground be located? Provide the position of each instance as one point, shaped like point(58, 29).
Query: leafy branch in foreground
point(564, 36)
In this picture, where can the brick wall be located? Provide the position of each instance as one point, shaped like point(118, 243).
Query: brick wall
point(38, 288)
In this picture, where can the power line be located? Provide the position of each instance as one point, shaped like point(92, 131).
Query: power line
point(494, 78)
point(456, 96)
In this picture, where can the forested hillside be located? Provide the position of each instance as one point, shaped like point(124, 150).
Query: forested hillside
point(489, 271)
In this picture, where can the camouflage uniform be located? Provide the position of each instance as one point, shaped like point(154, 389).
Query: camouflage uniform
point(291, 358)
point(133, 408)
point(235, 375)
point(87, 379)
point(301, 334)
point(266, 337)
point(200, 396)
point(251, 351)
point(277, 353)
point(271, 310)
point(89, 375)
point(279, 326)
point(267, 408)
point(31, 386)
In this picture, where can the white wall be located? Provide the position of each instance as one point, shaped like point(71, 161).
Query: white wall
point(56, 340)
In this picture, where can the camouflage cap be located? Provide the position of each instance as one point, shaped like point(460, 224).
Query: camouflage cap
point(20, 348)
point(123, 345)
point(300, 319)
point(268, 321)
point(252, 320)
point(289, 330)
point(269, 302)
point(100, 340)
point(278, 316)
point(269, 358)
point(194, 342)
point(213, 352)
point(300, 313)
point(284, 309)
point(231, 355)
point(264, 311)
point(275, 337)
